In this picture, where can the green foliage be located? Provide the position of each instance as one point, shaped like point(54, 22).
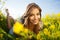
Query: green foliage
point(51, 30)
point(3, 22)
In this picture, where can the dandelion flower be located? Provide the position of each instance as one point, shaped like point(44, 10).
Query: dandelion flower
point(18, 27)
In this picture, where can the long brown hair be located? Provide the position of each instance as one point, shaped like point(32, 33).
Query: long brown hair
point(26, 15)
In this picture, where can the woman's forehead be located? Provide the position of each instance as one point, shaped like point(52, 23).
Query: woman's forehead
point(34, 10)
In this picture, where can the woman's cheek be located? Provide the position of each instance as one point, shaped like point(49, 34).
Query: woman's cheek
point(31, 18)
point(39, 16)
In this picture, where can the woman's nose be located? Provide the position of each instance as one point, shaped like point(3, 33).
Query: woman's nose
point(35, 17)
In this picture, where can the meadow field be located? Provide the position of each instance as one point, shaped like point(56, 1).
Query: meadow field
point(50, 31)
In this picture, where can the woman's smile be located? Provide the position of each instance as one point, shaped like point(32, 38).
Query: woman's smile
point(34, 16)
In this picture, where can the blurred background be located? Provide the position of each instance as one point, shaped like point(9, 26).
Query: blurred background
point(16, 8)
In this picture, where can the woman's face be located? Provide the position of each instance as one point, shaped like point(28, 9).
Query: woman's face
point(34, 17)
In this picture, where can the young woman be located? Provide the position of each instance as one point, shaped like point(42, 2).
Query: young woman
point(32, 18)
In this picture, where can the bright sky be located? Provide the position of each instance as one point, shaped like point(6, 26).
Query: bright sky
point(18, 7)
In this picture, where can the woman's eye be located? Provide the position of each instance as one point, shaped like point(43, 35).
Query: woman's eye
point(31, 15)
point(38, 14)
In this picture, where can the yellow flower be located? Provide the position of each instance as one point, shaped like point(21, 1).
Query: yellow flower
point(26, 30)
point(17, 38)
point(46, 32)
point(30, 36)
point(18, 27)
point(1, 19)
point(0, 13)
point(57, 34)
point(46, 23)
point(58, 14)
point(1, 35)
point(47, 15)
point(38, 36)
point(52, 27)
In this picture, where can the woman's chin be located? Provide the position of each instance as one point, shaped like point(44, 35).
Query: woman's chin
point(35, 23)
